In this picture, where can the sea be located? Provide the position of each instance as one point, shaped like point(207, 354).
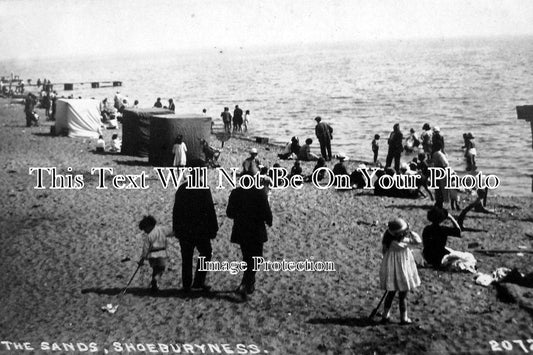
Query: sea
point(359, 88)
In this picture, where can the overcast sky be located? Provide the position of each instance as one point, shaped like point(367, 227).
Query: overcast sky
point(30, 28)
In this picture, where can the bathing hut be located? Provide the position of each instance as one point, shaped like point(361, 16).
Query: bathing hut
point(165, 128)
point(136, 130)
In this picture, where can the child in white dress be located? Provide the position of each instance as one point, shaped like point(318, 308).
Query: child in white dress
point(398, 269)
point(180, 152)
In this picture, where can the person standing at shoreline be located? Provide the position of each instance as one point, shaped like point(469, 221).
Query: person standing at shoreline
point(375, 148)
point(237, 119)
point(395, 148)
point(437, 141)
point(425, 139)
point(246, 120)
point(158, 103)
point(324, 132)
point(226, 119)
point(250, 211)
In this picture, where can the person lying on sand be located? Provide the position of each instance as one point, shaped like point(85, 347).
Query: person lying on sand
point(478, 205)
point(154, 248)
point(435, 235)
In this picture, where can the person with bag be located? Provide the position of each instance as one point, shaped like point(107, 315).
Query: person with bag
point(195, 224)
point(324, 133)
point(398, 270)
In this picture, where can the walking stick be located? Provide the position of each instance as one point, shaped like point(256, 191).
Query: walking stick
point(379, 304)
point(129, 283)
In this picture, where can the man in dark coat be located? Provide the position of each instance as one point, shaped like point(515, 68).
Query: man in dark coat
point(395, 148)
point(250, 210)
point(323, 132)
point(237, 119)
point(195, 224)
point(226, 118)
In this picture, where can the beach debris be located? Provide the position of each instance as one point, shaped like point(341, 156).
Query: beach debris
point(110, 308)
point(125, 259)
point(473, 245)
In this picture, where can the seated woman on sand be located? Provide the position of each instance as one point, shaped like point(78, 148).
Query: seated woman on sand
point(291, 150)
point(435, 236)
point(305, 151)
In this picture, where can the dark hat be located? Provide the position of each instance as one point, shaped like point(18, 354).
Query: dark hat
point(318, 118)
point(397, 226)
point(437, 215)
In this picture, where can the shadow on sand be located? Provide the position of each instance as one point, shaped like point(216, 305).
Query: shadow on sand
point(176, 293)
point(351, 322)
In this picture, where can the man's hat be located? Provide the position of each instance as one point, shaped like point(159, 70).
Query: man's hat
point(253, 151)
point(436, 129)
point(318, 118)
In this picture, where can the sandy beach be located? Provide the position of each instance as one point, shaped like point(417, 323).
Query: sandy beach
point(65, 253)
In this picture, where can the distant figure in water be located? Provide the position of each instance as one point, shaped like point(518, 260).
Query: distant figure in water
point(375, 148)
point(425, 139)
point(437, 141)
point(158, 103)
point(412, 141)
point(470, 152)
point(136, 104)
point(395, 148)
point(246, 120)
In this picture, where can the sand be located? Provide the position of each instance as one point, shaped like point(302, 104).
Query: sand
point(63, 252)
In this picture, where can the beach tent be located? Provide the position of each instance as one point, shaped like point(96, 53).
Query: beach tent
point(78, 118)
point(136, 130)
point(165, 128)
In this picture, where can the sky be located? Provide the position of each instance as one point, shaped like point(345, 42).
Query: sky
point(52, 28)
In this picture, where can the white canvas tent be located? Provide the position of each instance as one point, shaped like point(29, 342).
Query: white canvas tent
point(78, 117)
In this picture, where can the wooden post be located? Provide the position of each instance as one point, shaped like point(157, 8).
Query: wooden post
point(526, 113)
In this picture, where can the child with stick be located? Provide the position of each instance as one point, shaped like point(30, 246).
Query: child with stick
point(398, 269)
point(154, 248)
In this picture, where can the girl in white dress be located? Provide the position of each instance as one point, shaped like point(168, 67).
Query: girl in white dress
point(180, 152)
point(398, 269)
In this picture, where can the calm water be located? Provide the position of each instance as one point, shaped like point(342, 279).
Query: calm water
point(360, 89)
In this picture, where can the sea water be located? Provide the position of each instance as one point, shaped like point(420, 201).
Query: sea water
point(360, 89)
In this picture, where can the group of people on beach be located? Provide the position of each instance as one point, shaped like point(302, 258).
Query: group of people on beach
point(237, 122)
point(195, 225)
